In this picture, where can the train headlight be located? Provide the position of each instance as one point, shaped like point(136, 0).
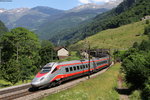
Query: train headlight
point(41, 78)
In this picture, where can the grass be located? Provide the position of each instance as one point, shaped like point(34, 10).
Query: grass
point(117, 38)
point(4, 84)
point(135, 95)
point(99, 88)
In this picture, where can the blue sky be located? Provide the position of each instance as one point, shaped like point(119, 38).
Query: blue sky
point(58, 4)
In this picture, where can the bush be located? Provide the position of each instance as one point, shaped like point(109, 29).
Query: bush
point(146, 91)
point(147, 30)
point(136, 70)
point(147, 21)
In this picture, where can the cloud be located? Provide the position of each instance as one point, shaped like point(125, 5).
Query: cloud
point(85, 1)
point(102, 0)
point(93, 1)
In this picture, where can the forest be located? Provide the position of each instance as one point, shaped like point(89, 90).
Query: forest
point(23, 54)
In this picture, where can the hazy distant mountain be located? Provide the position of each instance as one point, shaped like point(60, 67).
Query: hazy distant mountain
point(10, 16)
point(47, 10)
point(90, 6)
point(3, 29)
point(2, 10)
point(65, 21)
point(73, 17)
point(48, 21)
point(36, 16)
point(25, 17)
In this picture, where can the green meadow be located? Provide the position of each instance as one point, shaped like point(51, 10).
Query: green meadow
point(117, 38)
point(99, 88)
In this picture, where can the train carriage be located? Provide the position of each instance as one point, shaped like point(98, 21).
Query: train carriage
point(56, 72)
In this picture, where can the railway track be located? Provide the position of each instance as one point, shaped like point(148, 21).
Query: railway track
point(14, 92)
point(24, 93)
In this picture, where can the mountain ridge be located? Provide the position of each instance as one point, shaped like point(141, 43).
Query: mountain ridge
point(15, 17)
point(128, 11)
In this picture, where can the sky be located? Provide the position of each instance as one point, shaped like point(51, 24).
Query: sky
point(58, 4)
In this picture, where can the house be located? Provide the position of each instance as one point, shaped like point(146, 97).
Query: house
point(145, 18)
point(62, 52)
point(84, 54)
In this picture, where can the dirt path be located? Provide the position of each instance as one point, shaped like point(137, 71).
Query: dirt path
point(121, 90)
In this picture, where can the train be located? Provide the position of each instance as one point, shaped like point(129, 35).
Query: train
point(55, 73)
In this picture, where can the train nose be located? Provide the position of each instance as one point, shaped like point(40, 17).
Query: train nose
point(37, 82)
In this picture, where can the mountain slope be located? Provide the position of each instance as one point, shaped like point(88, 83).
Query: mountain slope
point(25, 17)
point(117, 38)
point(72, 18)
point(127, 12)
point(3, 29)
point(64, 21)
point(12, 15)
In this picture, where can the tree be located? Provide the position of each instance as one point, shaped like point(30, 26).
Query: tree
point(136, 69)
point(135, 45)
point(147, 30)
point(11, 71)
point(47, 52)
point(22, 46)
point(3, 30)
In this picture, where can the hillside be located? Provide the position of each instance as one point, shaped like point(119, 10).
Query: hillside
point(117, 38)
point(67, 20)
point(127, 12)
point(3, 29)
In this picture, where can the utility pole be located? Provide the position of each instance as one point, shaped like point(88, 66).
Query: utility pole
point(87, 48)
point(0, 55)
point(89, 59)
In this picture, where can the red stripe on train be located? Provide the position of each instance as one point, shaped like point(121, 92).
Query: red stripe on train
point(40, 75)
point(71, 74)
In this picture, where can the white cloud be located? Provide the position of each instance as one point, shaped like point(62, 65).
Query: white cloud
point(85, 1)
point(102, 0)
point(93, 1)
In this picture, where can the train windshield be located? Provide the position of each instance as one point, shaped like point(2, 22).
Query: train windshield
point(46, 68)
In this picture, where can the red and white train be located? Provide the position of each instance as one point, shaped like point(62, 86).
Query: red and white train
point(56, 72)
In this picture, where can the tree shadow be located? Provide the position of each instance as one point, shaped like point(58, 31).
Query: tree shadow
point(4, 85)
point(124, 91)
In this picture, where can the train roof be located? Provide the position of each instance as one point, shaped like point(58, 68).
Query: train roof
point(73, 61)
point(77, 61)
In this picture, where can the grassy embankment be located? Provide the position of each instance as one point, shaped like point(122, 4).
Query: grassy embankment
point(117, 38)
point(99, 88)
point(4, 84)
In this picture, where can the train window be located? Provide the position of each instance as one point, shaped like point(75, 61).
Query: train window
point(86, 65)
point(71, 69)
point(45, 70)
point(78, 67)
point(54, 70)
point(67, 69)
point(47, 67)
point(74, 67)
point(81, 66)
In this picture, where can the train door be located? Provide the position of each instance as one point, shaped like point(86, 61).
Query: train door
point(94, 65)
